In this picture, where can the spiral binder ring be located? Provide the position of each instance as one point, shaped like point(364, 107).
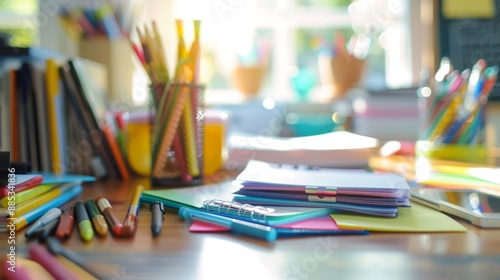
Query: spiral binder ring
point(232, 208)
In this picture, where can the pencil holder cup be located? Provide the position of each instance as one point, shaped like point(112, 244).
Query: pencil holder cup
point(452, 124)
point(177, 117)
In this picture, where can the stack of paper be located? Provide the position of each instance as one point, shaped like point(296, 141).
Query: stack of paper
point(338, 149)
point(363, 192)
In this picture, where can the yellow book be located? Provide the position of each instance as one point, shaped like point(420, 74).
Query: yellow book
point(40, 200)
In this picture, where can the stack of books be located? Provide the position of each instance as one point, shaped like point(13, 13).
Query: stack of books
point(54, 114)
point(32, 195)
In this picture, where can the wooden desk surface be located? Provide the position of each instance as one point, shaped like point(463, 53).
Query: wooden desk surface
point(178, 254)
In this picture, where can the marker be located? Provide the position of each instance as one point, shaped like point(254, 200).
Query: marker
point(44, 232)
point(41, 255)
point(157, 211)
point(242, 227)
point(84, 224)
point(51, 215)
point(56, 248)
point(130, 224)
point(97, 219)
point(113, 222)
point(65, 227)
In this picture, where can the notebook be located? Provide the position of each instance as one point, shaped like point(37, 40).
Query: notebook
point(218, 198)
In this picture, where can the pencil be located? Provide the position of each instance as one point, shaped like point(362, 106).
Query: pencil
point(130, 223)
point(164, 77)
point(180, 157)
point(167, 121)
point(181, 46)
point(166, 137)
point(188, 135)
point(147, 56)
point(153, 55)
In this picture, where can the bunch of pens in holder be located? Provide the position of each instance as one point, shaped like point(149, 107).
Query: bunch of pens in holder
point(453, 113)
point(177, 134)
point(176, 110)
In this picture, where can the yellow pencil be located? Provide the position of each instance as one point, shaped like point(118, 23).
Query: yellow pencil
point(130, 223)
point(188, 135)
point(194, 53)
point(181, 46)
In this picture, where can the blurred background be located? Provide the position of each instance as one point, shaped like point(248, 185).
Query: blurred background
point(265, 57)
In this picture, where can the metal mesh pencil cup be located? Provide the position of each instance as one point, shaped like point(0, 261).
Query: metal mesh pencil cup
point(177, 117)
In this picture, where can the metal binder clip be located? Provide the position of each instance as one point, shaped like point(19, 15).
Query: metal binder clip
point(319, 190)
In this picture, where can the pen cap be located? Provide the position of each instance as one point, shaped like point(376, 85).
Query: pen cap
point(51, 215)
point(260, 231)
point(81, 212)
point(43, 231)
point(65, 226)
point(109, 215)
point(92, 208)
point(47, 230)
point(157, 205)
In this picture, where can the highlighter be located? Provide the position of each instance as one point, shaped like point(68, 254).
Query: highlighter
point(48, 217)
point(96, 217)
point(83, 221)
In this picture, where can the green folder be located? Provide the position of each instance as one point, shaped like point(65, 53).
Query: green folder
point(221, 194)
point(417, 218)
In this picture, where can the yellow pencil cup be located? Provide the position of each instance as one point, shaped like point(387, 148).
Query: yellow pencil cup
point(138, 143)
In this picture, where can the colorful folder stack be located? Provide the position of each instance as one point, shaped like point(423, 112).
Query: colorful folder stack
point(298, 216)
point(363, 192)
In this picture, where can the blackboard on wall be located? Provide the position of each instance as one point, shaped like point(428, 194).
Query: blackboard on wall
point(465, 40)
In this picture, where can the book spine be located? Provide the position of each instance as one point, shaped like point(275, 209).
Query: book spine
point(54, 108)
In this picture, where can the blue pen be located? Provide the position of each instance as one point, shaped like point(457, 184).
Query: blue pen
point(242, 227)
point(293, 232)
